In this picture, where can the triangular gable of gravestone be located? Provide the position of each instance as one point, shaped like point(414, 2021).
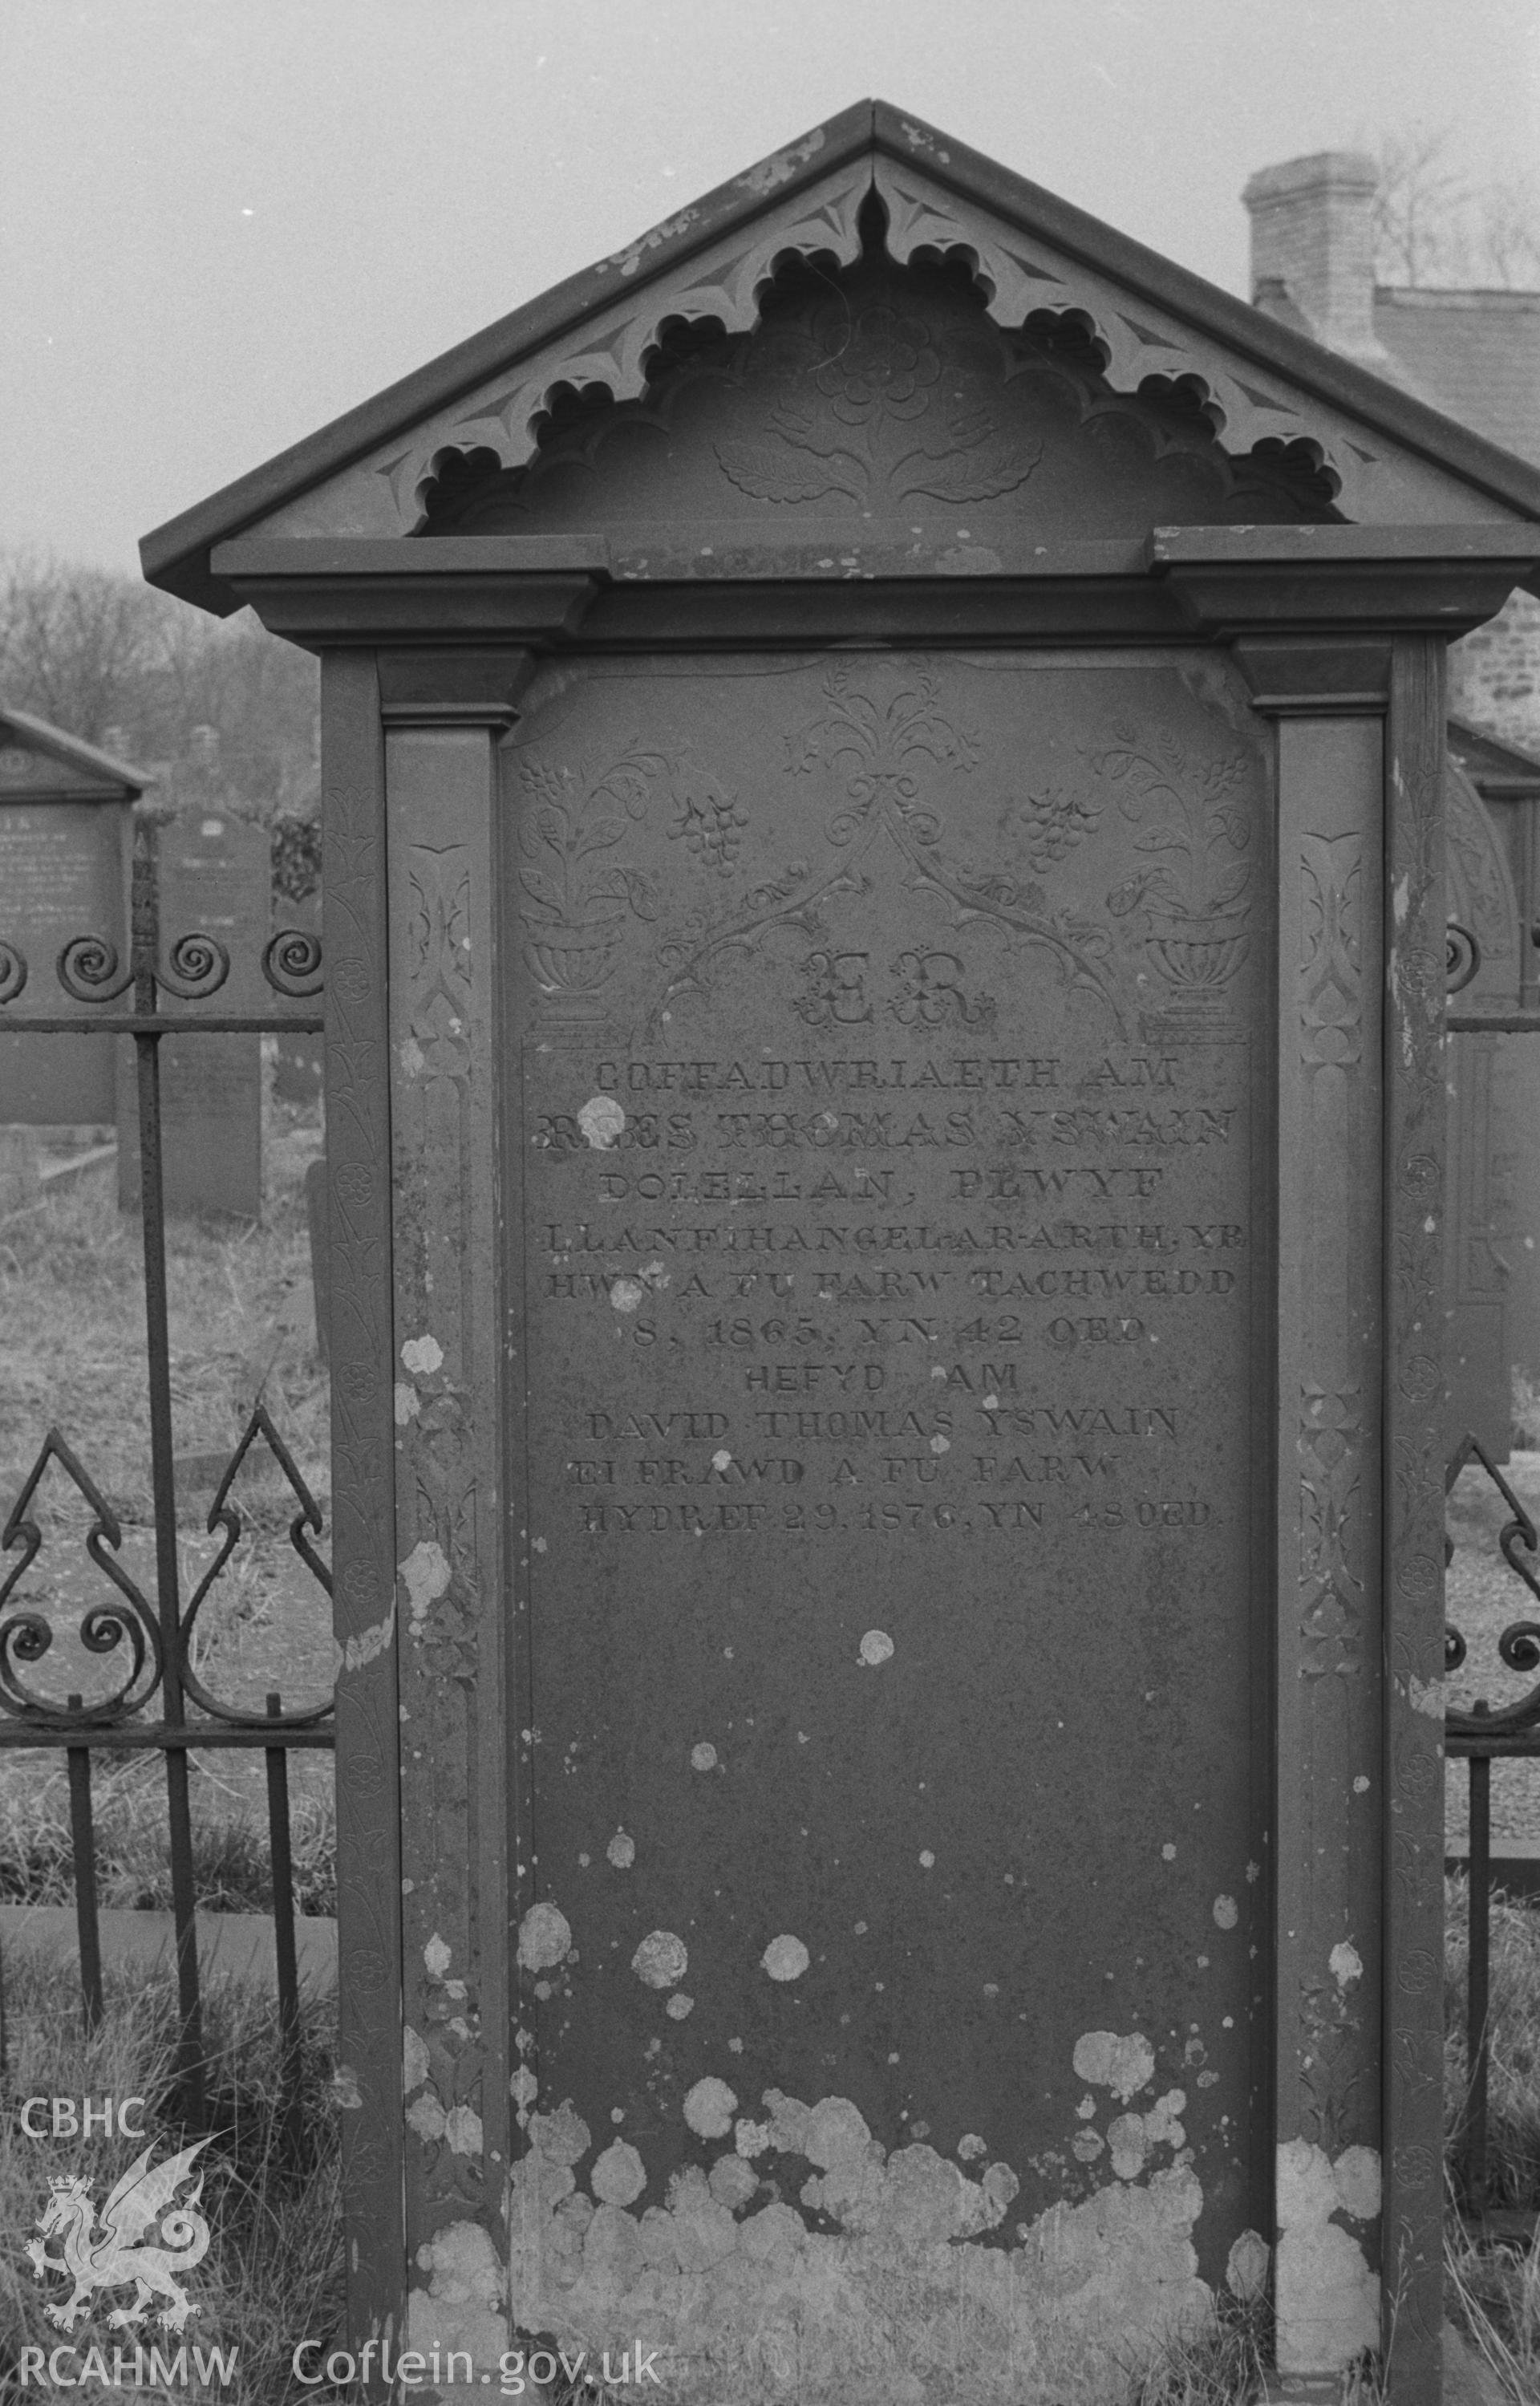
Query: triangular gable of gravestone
point(1147, 356)
point(38, 759)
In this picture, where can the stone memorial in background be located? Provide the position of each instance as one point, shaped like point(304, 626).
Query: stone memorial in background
point(297, 1066)
point(1492, 1352)
point(885, 947)
point(212, 879)
point(65, 812)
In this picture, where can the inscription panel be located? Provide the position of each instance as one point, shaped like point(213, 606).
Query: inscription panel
point(891, 1091)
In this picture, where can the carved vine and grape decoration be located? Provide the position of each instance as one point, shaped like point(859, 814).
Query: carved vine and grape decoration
point(881, 765)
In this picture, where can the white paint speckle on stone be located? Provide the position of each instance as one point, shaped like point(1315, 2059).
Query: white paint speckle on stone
point(680, 2007)
point(621, 1850)
point(1226, 1912)
point(544, 1935)
point(422, 1355)
point(602, 1120)
point(1168, 1852)
point(524, 2087)
point(927, 1860)
point(971, 2146)
point(1124, 2065)
point(786, 1958)
point(709, 2108)
point(1327, 2297)
point(1426, 1696)
point(426, 1573)
point(414, 2061)
point(408, 1404)
point(626, 1294)
point(1346, 1964)
point(721, 1460)
point(703, 1756)
point(1246, 2270)
point(1360, 1785)
point(661, 1961)
point(435, 1956)
point(876, 1647)
point(940, 1444)
point(619, 2176)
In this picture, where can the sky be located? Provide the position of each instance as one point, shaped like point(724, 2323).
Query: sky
point(222, 223)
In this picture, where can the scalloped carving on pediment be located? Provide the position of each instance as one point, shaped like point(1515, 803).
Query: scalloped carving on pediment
point(1144, 351)
point(1141, 345)
point(885, 396)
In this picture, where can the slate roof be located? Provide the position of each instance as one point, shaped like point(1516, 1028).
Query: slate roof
point(36, 735)
point(1473, 354)
point(175, 556)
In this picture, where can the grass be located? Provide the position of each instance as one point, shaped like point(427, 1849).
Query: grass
point(72, 1307)
point(273, 2271)
point(231, 1856)
point(1492, 2293)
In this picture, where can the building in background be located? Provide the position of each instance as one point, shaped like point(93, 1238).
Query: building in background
point(1475, 353)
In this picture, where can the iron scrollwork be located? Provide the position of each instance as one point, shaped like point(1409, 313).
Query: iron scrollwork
point(28, 1635)
point(1518, 1646)
point(1462, 957)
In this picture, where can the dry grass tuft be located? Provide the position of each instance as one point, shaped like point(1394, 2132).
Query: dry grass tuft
point(1217, 2364)
point(272, 2274)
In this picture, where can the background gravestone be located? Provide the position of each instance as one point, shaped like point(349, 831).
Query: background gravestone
point(65, 823)
point(213, 880)
point(297, 1069)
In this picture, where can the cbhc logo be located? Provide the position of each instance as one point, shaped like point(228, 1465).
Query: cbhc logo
point(63, 2121)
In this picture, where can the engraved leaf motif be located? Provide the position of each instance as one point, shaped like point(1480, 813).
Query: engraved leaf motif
point(598, 836)
point(1233, 883)
point(620, 884)
point(962, 477)
point(541, 889)
point(1231, 821)
point(774, 475)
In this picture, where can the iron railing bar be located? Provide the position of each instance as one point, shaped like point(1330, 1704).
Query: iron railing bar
point(1491, 1023)
point(189, 2066)
point(1504, 1743)
point(283, 1937)
point(191, 1738)
point(159, 1023)
point(1478, 1984)
point(83, 1848)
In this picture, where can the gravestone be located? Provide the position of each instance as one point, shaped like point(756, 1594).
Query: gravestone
point(64, 836)
point(211, 879)
point(1494, 1350)
point(885, 927)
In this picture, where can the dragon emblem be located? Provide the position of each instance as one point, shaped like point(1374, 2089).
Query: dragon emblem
point(107, 2261)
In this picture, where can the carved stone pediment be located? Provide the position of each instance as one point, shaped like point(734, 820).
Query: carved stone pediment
point(1147, 353)
point(884, 395)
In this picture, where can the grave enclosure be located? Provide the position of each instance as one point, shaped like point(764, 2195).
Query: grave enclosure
point(885, 945)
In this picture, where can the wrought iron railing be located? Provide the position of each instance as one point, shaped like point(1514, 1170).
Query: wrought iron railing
point(154, 1695)
point(1483, 1732)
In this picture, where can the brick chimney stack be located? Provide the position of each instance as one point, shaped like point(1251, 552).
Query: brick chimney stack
point(1312, 250)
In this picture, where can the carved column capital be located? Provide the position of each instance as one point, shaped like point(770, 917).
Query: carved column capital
point(450, 688)
point(1312, 676)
